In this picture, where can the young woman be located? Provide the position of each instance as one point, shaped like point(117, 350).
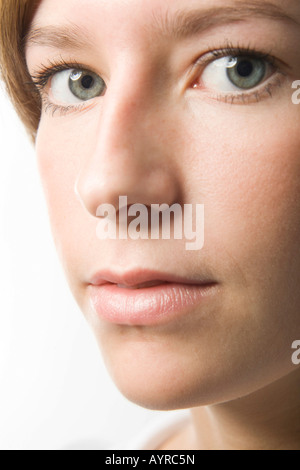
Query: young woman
point(187, 104)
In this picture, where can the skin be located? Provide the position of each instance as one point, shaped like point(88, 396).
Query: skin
point(157, 139)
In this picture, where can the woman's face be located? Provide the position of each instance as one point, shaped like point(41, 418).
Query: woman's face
point(187, 103)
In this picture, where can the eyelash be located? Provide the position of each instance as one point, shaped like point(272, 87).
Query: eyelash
point(42, 76)
point(254, 95)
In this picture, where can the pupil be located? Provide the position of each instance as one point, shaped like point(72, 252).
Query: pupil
point(245, 68)
point(87, 82)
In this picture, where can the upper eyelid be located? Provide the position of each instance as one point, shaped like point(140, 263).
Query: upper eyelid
point(223, 52)
point(210, 57)
point(43, 74)
point(204, 59)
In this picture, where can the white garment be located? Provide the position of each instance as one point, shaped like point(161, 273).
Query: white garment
point(157, 432)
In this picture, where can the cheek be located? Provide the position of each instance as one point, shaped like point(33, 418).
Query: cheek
point(59, 161)
point(247, 167)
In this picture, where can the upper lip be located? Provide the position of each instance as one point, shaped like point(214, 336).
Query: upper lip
point(138, 278)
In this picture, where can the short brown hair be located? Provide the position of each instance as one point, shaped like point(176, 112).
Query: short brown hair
point(15, 19)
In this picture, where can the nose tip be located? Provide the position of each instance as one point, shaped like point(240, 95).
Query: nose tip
point(151, 187)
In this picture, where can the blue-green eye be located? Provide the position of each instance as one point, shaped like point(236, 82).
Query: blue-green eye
point(74, 86)
point(246, 73)
point(229, 74)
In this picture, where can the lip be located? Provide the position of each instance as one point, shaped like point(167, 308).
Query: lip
point(151, 298)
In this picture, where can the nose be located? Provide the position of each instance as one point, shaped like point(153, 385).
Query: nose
point(131, 153)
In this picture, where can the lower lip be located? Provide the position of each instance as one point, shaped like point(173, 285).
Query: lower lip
point(147, 306)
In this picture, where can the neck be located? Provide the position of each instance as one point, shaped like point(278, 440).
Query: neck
point(266, 420)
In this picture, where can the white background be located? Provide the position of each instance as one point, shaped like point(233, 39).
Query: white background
point(54, 390)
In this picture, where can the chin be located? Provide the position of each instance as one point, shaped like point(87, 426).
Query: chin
point(159, 375)
point(156, 390)
point(154, 376)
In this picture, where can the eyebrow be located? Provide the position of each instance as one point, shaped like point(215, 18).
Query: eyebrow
point(69, 36)
point(180, 25)
point(185, 24)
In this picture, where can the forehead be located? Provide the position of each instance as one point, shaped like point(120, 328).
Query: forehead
point(110, 13)
point(77, 23)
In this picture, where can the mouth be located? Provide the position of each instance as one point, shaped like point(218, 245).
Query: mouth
point(142, 286)
point(146, 298)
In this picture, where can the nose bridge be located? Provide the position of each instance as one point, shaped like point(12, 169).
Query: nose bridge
point(132, 105)
point(128, 157)
point(122, 124)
